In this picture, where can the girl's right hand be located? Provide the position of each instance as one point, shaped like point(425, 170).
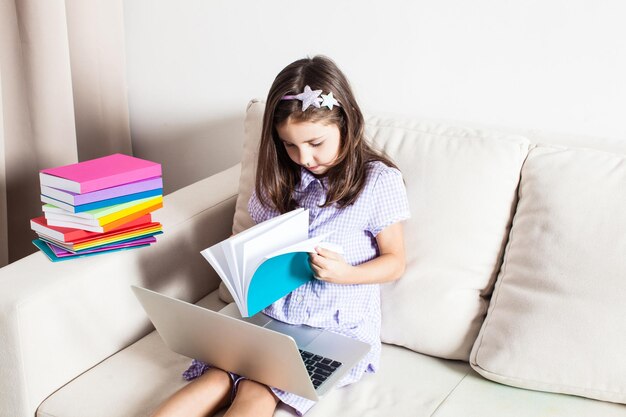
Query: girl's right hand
point(329, 266)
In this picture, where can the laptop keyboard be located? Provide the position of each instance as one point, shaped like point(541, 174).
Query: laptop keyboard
point(318, 367)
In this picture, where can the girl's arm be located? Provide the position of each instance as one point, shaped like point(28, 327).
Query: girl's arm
point(389, 266)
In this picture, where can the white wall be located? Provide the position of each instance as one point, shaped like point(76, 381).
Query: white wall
point(553, 65)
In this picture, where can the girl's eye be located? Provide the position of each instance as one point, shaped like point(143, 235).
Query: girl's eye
point(288, 145)
point(315, 145)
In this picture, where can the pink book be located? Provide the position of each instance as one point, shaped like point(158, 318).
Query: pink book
point(100, 173)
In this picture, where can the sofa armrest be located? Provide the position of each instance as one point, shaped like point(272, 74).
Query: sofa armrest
point(57, 320)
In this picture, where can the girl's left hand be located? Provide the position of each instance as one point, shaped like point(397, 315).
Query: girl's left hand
point(329, 266)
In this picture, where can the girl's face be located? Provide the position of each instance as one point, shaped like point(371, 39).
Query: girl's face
point(312, 145)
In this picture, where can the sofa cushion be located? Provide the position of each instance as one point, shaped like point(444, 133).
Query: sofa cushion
point(134, 381)
point(461, 184)
point(479, 397)
point(252, 127)
point(130, 383)
point(556, 321)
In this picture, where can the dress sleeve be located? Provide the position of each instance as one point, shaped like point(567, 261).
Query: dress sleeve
point(258, 211)
point(389, 202)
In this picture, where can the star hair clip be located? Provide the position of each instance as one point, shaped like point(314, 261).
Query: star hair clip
point(313, 98)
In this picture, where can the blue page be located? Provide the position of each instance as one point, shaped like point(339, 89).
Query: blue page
point(277, 277)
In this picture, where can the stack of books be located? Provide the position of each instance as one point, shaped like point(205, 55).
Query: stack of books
point(98, 206)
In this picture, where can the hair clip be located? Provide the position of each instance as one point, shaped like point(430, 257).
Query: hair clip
point(312, 98)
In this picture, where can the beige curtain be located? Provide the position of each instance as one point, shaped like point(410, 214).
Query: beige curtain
point(62, 98)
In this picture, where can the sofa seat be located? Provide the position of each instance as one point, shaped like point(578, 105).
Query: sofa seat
point(135, 380)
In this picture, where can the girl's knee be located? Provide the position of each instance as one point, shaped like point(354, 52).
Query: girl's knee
point(203, 396)
point(216, 378)
point(254, 391)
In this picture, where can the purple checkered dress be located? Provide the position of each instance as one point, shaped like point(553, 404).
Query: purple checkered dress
point(352, 310)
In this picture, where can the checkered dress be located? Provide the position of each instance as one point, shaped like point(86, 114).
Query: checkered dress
point(351, 310)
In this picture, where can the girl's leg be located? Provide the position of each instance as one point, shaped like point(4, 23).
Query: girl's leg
point(252, 399)
point(201, 397)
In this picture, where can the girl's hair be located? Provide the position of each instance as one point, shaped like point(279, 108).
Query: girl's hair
point(277, 175)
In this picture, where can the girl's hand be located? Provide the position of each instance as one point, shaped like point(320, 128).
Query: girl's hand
point(329, 266)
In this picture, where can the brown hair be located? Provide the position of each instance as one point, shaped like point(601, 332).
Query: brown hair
point(277, 175)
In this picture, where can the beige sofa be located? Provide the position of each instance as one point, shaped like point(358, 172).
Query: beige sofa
point(515, 274)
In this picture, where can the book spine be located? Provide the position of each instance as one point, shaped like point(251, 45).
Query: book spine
point(144, 207)
point(138, 225)
point(104, 211)
point(104, 194)
point(107, 240)
point(102, 203)
point(126, 242)
point(133, 216)
point(101, 225)
point(135, 187)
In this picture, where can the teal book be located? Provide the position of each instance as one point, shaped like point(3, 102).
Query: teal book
point(102, 203)
point(268, 261)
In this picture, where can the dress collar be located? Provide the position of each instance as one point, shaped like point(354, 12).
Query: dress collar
point(306, 178)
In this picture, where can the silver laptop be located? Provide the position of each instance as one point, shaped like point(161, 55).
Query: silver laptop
point(299, 359)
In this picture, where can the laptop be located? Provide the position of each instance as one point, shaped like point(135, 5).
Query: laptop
point(299, 359)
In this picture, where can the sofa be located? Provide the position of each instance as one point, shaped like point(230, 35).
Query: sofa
point(512, 303)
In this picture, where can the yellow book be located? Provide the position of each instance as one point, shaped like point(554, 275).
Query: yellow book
point(100, 217)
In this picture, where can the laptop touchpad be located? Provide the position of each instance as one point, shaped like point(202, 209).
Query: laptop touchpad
point(303, 335)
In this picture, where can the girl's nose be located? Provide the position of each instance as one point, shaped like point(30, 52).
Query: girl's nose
point(305, 158)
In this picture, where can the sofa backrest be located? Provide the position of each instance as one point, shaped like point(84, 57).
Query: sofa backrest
point(254, 116)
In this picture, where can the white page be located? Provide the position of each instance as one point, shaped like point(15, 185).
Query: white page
point(223, 256)
point(237, 242)
point(294, 230)
point(332, 247)
point(215, 256)
point(231, 260)
point(308, 245)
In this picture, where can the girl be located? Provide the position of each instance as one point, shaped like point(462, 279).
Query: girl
point(313, 155)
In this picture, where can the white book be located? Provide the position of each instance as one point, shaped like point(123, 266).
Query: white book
point(50, 208)
point(267, 261)
point(60, 204)
point(51, 216)
point(62, 223)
